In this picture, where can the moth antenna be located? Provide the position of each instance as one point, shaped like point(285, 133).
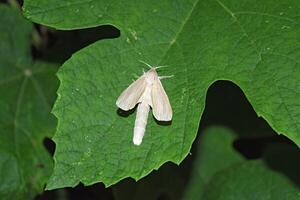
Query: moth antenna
point(164, 77)
point(146, 64)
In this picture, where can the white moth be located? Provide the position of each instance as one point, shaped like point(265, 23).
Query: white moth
point(146, 91)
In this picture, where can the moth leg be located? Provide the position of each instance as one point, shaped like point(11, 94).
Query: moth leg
point(164, 77)
point(158, 67)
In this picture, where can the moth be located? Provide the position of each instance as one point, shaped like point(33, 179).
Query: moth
point(147, 91)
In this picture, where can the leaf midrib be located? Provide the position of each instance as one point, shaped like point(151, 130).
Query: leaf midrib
point(173, 42)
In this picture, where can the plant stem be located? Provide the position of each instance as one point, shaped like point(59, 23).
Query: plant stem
point(36, 37)
point(15, 4)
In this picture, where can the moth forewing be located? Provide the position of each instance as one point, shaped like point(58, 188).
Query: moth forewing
point(161, 107)
point(131, 96)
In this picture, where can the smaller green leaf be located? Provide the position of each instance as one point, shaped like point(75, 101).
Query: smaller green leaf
point(284, 158)
point(250, 180)
point(220, 172)
point(215, 152)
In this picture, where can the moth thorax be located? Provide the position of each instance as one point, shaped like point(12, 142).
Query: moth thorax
point(151, 76)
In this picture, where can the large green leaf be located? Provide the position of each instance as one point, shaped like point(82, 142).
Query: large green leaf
point(27, 91)
point(254, 44)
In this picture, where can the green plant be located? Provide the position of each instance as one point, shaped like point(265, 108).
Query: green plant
point(254, 45)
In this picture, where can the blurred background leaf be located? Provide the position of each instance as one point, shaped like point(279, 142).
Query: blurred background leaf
point(220, 172)
point(27, 90)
